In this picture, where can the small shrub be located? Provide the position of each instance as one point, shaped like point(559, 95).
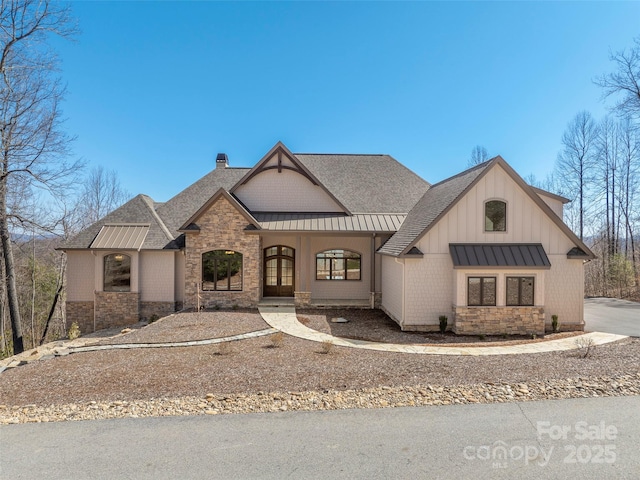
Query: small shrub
point(554, 323)
point(443, 323)
point(74, 331)
point(482, 336)
point(277, 339)
point(326, 347)
point(154, 318)
point(585, 345)
point(234, 306)
point(533, 336)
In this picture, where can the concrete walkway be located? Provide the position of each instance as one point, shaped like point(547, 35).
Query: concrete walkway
point(284, 318)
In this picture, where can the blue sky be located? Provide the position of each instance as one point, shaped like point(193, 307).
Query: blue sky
point(157, 89)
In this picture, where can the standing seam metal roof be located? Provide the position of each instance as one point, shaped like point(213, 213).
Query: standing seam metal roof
point(531, 255)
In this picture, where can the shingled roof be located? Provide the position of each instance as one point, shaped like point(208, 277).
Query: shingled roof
point(367, 183)
point(138, 210)
point(430, 208)
point(180, 208)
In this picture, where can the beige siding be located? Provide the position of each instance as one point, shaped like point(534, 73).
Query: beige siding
point(336, 289)
point(285, 191)
point(564, 291)
point(179, 276)
point(80, 276)
point(157, 276)
point(99, 269)
point(432, 286)
point(392, 287)
point(556, 205)
point(464, 223)
point(429, 287)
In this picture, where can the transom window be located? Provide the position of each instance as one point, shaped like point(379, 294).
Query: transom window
point(338, 265)
point(117, 273)
point(520, 291)
point(222, 270)
point(481, 291)
point(495, 216)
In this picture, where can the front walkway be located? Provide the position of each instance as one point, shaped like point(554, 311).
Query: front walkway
point(284, 318)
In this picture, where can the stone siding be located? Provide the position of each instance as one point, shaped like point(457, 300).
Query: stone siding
point(116, 309)
point(161, 309)
point(222, 228)
point(498, 320)
point(302, 299)
point(80, 313)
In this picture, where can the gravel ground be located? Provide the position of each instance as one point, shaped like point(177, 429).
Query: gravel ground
point(253, 375)
point(184, 327)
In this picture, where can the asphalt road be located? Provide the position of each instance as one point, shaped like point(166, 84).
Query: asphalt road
point(580, 438)
point(612, 315)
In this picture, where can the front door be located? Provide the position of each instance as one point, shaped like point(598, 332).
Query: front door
point(279, 264)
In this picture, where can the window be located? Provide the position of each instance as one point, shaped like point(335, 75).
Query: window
point(495, 216)
point(481, 291)
point(222, 270)
point(338, 265)
point(117, 273)
point(520, 291)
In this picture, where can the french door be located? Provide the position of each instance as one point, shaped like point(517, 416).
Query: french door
point(279, 262)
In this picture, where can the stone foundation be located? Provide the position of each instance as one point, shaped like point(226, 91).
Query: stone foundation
point(160, 309)
point(116, 309)
point(375, 299)
point(498, 320)
point(80, 313)
point(302, 299)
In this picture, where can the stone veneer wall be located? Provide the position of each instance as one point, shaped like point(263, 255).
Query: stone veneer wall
point(161, 309)
point(498, 320)
point(302, 299)
point(80, 313)
point(116, 309)
point(222, 228)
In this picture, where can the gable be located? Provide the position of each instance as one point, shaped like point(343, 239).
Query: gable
point(279, 183)
point(221, 209)
point(527, 222)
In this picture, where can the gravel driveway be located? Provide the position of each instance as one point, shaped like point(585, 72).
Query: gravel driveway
point(612, 315)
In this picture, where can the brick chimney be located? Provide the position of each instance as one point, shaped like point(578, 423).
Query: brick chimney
point(222, 161)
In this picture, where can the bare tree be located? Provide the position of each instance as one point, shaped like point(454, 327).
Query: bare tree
point(624, 82)
point(101, 194)
point(575, 162)
point(478, 155)
point(33, 145)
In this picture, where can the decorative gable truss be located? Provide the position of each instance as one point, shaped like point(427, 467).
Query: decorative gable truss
point(281, 183)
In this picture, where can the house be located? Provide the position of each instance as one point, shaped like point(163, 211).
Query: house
point(482, 247)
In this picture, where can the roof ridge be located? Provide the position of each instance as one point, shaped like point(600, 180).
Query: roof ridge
point(465, 172)
point(350, 154)
point(147, 199)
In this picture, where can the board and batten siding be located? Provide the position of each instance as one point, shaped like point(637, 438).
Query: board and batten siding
point(157, 276)
point(284, 191)
point(556, 205)
point(80, 276)
point(464, 223)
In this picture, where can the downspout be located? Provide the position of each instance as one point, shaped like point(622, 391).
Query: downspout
point(403, 292)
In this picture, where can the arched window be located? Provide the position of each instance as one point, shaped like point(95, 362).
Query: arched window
point(222, 270)
point(338, 265)
point(117, 273)
point(495, 216)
